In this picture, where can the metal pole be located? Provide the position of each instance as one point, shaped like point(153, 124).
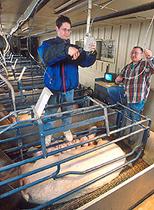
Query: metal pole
point(89, 16)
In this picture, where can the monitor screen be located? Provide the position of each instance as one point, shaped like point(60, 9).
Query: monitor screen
point(108, 77)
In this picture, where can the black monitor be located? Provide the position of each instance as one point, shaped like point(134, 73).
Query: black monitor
point(110, 77)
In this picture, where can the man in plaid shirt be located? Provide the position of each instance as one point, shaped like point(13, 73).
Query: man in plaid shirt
point(136, 77)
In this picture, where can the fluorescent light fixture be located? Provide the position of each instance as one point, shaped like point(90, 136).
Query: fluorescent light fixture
point(63, 6)
point(25, 27)
point(69, 6)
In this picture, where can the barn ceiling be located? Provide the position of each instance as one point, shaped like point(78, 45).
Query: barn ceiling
point(42, 18)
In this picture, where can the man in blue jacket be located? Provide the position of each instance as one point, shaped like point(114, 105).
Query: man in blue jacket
point(61, 59)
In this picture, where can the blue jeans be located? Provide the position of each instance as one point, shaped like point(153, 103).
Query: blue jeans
point(122, 121)
point(116, 94)
point(60, 98)
point(137, 107)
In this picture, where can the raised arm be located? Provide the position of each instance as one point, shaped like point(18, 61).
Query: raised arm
point(150, 59)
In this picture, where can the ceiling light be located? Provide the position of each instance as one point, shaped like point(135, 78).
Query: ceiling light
point(69, 6)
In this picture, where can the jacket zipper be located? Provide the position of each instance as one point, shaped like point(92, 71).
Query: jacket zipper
point(63, 78)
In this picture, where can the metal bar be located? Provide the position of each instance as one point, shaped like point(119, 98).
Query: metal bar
point(42, 137)
point(47, 204)
point(54, 152)
point(127, 108)
point(96, 167)
point(75, 111)
point(106, 116)
point(4, 195)
point(73, 125)
point(66, 159)
point(17, 137)
point(24, 146)
point(61, 115)
point(128, 126)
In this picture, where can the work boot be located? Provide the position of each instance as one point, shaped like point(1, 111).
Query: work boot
point(48, 140)
point(68, 135)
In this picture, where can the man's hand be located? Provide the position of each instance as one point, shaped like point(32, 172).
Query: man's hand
point(93, 47)
point(147, 53)
point(73, 52)
point(118, 79)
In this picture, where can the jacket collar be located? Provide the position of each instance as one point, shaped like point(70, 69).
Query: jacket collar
point(60, 39)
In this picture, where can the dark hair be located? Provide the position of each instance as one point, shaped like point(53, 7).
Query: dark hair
point(139, 48)
point(62, 19)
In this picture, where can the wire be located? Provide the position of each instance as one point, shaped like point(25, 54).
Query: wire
point(146, 35)
point(101, 7)
point(144, 47)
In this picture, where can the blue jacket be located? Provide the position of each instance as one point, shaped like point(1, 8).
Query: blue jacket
point(61, 71)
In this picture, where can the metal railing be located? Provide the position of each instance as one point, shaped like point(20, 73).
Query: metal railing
point(19, 133)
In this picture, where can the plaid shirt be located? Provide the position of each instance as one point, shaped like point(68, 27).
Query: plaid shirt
point(137, 79)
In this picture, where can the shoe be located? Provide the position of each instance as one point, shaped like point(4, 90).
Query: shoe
point(68, 135)
point(48, 140)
